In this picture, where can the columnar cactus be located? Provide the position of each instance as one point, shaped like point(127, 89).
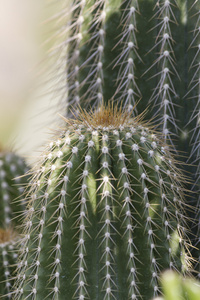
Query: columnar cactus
point(8, 259)
point(105, 214)
point(138, 52)
point(125, 50)
point(12, 182)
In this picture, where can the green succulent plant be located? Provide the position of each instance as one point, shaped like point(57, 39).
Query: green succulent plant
point(105, 213)
point(138, 54)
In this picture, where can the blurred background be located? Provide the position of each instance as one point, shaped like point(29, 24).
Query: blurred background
point(28, 104)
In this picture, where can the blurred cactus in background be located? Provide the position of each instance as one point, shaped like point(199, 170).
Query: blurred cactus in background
point(13, 180)
point(176, 287)
point(8, 261)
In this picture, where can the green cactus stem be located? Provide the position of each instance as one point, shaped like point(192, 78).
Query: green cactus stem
point(105, 215)
point(129, 50)
point(8, 260)
point(12, 182)
point(102, 49)
point(126, 51)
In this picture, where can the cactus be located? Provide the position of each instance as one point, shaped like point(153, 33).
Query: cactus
point(177, 288)
point(138, 52)
point(12, 208)
point(106, 213)
point(8, 259)
point(126, 50)
point(12, 182)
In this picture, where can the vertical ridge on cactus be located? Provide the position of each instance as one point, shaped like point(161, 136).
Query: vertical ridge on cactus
point(102, 48)
point(126, 82)
point(108, 201)
point(165, 70)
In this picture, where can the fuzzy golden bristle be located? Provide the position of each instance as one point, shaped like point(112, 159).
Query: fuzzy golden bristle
point(106, 116)
point(6, 235)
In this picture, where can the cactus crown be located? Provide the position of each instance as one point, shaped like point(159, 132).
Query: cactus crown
point(105, 214)
point(106, 116)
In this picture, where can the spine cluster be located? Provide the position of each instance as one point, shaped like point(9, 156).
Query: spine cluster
point(108, 30)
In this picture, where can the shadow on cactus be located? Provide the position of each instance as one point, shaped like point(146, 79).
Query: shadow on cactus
point(106, 213)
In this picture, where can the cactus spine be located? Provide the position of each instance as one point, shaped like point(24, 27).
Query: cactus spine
point(107, 200)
